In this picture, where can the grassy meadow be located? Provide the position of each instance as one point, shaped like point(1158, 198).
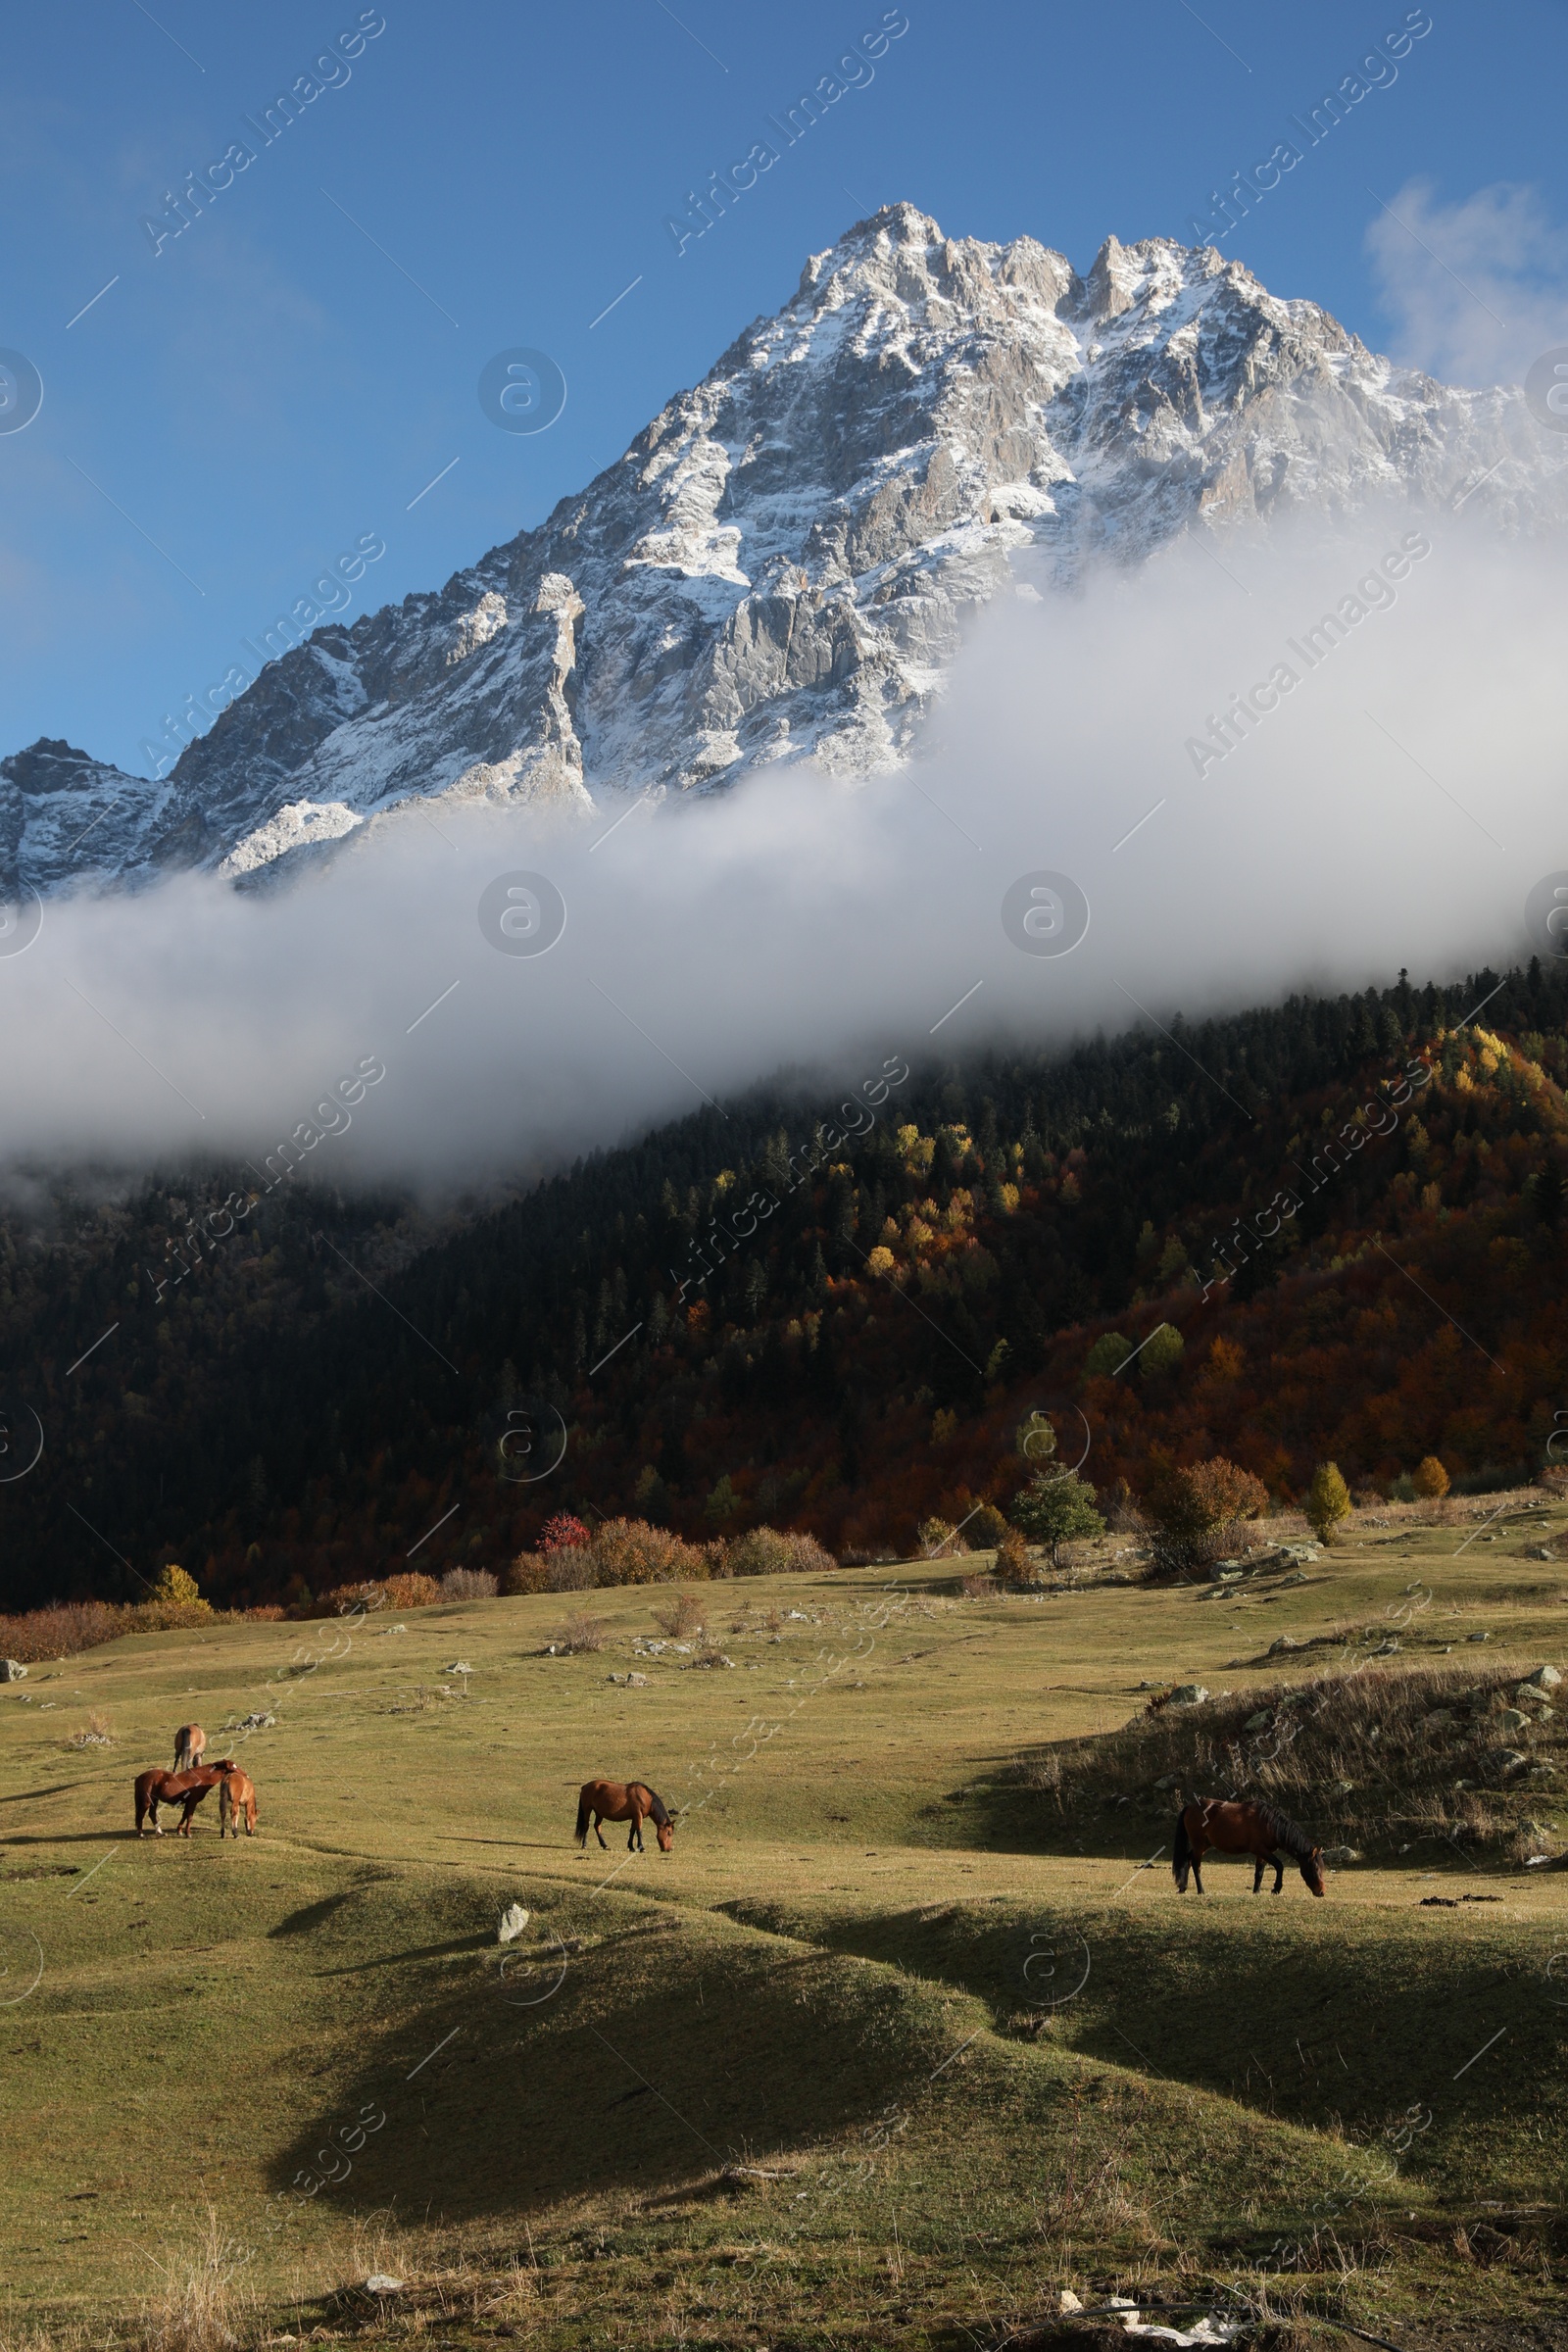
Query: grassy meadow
point(782, 2088)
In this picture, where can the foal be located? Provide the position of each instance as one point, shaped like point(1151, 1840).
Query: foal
point(236, 1799)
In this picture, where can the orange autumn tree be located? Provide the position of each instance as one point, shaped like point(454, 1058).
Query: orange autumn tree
point(1195, 1512)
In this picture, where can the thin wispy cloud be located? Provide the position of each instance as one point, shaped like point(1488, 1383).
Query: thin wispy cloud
point(1476, 288)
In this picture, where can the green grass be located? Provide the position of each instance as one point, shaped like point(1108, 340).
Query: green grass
point(889, 2048)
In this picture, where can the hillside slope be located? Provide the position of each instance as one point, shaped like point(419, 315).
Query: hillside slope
point(760, 1318)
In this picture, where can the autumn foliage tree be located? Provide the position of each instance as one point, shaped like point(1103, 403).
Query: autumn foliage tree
point(1328, 1502)
point(1194, 1511)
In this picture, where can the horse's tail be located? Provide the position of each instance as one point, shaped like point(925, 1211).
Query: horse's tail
point(1181, 1861)
point(583, 1810)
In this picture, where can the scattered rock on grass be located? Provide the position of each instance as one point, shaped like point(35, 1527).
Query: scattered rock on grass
point(1544, 1678)
point(1339, 1856)
point(12, 1670)
point(1188, 1695)
point(514, 1919)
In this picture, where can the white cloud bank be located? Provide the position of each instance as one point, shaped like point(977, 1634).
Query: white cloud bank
point(1392, 808)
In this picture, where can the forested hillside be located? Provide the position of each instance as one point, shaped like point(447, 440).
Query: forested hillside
point(1344, 1212)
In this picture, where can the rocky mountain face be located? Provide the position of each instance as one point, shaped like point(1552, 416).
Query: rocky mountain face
point(783, 562)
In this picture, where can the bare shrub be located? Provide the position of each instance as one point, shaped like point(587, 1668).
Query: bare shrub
point(94, 1733)
point(581, 1632)
point(977, 1586)
point(469, 1584)
point(570, 1570)
point(685, 1614)
point(769, 1551)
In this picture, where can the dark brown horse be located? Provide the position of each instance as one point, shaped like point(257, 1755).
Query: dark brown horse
point(624, 1800)
point(1242, 1828)
point(236, 1802)
point(190, 1745)
point(184, 1788)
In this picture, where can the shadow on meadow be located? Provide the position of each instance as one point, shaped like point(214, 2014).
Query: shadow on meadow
point(619, 2044)
point(1320, 2020)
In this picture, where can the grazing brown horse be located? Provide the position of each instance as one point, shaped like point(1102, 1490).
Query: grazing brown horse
point(624, 1800)
point(1242, 1828)
point(237, 1800)
point(190, 1745)
point(186, 1788)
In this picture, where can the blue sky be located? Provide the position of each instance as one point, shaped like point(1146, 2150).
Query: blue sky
point(284, 377)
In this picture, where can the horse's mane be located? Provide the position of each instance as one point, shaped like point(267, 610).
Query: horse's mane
point(1285, 1833)
point(657, 1807)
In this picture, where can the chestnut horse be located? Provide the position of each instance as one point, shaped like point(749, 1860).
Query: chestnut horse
point(1242, 1828)
point(624, 1800)
point(190, 1745)
point(236, 1801)
point(186, 1788)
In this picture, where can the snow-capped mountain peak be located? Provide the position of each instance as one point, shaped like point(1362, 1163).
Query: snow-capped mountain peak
point(783, 562)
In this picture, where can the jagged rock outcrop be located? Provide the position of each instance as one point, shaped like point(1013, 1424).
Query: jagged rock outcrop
point(783, 563)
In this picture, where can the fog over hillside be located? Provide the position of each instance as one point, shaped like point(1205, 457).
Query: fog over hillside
point(1389, 800)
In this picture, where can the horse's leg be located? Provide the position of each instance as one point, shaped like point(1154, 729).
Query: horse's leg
point(1197, 1869)
point(1259, 1864)
point(1279, 1874)
point(598, 1832)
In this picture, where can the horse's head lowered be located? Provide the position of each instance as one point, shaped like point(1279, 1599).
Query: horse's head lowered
point(1313, 1871)
point(664, 1831)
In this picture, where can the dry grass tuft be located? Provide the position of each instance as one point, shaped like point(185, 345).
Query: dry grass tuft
point(203, 2302)
point(581, 1632)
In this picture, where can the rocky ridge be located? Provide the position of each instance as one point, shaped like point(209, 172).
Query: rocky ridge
point(783, 563)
